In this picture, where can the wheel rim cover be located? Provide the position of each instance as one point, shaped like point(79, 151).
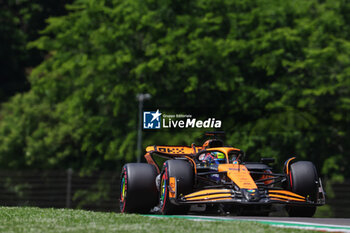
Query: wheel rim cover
point(163, 190)
point(122, 196)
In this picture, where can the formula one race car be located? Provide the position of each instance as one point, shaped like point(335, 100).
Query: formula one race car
point(214, 176)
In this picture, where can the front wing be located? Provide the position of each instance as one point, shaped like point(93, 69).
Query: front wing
point(272, 196)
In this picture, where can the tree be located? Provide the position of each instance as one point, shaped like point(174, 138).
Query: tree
point(274, 73)
point(20, 22)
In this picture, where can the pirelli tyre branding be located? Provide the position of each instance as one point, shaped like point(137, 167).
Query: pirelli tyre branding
point(157, 120)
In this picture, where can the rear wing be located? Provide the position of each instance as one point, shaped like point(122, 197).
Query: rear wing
point(174, 150)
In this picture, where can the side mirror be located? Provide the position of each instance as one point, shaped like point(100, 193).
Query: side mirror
point(267, 160)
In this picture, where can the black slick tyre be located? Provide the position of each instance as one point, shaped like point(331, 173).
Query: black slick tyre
point(138, 191)
point(302, 181)
point(183, 173)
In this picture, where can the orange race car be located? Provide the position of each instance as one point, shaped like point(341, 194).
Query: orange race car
point(214, 177)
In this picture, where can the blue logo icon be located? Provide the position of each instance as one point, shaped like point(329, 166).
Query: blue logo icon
point(151, 120)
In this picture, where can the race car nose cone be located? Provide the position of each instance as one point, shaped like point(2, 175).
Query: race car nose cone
point(251, 194)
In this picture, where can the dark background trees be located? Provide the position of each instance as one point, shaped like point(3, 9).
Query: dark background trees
point(21, 22)
point(276, 73)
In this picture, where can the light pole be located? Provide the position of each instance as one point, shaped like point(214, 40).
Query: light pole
point(140, 97)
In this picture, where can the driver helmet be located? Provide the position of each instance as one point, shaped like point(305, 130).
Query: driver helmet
point(215, 157)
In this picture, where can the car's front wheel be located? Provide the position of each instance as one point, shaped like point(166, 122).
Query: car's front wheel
point(303, 181)
point(182, 172)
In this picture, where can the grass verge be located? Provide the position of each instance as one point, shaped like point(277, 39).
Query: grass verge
point(29, 219)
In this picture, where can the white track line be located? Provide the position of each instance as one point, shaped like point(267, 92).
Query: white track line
point(275, 223)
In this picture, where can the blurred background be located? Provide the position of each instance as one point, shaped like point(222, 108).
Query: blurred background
point(275, 72)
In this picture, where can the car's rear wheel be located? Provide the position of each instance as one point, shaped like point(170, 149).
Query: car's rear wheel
point(183, 173)
point(303, 181)
point(138, 191)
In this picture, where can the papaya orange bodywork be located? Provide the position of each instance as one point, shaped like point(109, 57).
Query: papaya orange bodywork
point(232, 174)
point(286, 197)
point(285, 192)
point(150, 160)
point(194, 164)
point(174, 150)
point(210, 194)
point(239, 174)
point(214, 196)
point(287, 164)
point(172, 185)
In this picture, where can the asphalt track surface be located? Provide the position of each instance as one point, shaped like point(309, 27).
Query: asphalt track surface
point(316, 224)
point(328, 221)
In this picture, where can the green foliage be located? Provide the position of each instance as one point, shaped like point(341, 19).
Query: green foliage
point(12, 55)
point(20, 22)
point(276, 73)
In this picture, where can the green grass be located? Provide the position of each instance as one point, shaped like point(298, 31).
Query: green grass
point(28, 219)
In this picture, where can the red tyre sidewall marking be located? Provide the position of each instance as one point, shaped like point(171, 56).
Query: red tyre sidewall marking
point(126, 188)
point(290, 179)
